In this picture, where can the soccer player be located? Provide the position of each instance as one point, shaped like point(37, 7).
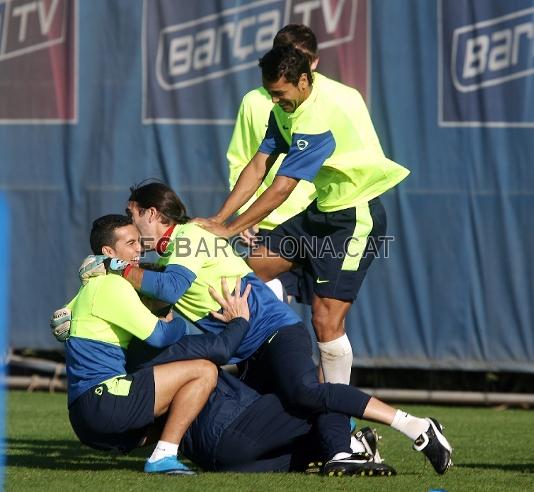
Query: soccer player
point(249, 130)
point(108, 322)
point(110, 408)
point(325, 131)
point(276, 350)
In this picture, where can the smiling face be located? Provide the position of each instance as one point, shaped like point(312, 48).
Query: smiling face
point(287, 95)
point(127, 245)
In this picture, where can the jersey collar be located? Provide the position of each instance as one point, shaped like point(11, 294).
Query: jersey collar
point(163, 242)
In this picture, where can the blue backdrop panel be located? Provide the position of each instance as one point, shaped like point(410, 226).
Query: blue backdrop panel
point(128, 90)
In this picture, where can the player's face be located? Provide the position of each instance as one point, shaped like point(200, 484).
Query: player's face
point(288, 96)
point(127, 245)
point(141, 219)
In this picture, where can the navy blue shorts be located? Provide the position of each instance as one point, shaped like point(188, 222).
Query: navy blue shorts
point(335, 248)
point(115, 416)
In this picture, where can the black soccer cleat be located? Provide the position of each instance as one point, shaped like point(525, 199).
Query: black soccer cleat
point(369, 439)
point(435, 446)
point(357, 464)
point(314, 467)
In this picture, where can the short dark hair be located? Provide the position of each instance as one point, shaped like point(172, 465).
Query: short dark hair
point(103, 231)
point(162, 198)
point(285, 61)
point(299, 36)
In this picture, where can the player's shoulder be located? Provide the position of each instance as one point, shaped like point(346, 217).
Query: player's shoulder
point(111, 284)
point(255, 97)
point(324, 82)
point(191, 230)
point(333, 90)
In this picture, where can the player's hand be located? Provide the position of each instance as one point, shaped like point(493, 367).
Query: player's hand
point(234, 306)
point(214, 227)
point(96, 265)
point(248, 236)
point(60, 324)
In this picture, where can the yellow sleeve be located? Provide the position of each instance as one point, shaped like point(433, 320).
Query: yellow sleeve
point(117, 302)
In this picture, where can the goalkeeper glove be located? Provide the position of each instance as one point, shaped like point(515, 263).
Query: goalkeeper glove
point(60, 324)
point(96, 265)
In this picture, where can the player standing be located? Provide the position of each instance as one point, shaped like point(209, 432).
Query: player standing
point(326, 132)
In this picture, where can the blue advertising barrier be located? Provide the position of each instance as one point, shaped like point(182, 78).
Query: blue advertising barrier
point(99, 95)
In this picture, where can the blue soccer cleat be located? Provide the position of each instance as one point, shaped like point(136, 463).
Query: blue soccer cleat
point(170, 465)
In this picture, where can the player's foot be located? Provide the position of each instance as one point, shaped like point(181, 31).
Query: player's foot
point(369, 439)
point(170, 465)
point(357, 464)
point(435, 446)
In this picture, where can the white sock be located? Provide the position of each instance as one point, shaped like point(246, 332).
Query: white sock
point(356, 446)
point(163, 448)
point(276, 286)
point(409, 425)
point(336, 360)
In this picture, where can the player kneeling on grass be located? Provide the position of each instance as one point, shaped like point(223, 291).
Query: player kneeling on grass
point(109, 408)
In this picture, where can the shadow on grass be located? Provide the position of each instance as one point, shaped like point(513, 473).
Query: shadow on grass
point(517, 467)
point(66, 454)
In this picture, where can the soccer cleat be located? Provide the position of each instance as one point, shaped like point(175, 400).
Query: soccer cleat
point(170, 465)
point(369, 439)
point(314, 467)
point(435, 446)
point(357, 464)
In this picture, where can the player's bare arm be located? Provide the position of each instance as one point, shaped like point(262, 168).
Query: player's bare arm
point(247, 184)
point(271, 199)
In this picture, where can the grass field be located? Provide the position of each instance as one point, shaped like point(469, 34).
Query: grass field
point(494, 450)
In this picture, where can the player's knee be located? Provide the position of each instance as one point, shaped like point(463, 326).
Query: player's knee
point(208, 373)
point(308, 397)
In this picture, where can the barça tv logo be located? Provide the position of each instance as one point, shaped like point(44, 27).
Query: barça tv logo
point(37, 61)
point(192, 55)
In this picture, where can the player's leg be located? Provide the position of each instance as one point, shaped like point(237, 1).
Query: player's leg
point(287, 356)
point(279, 250)
point(266, 438)
point(328, 318)
point(340, 266)
point(181, 391)
point(267, 265)
point(261, 439)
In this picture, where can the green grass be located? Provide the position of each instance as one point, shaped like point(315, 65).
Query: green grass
point(494, 450)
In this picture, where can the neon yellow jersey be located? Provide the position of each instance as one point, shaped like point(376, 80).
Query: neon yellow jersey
point(330, 141)
point(106, 314)
point(108, 309)
point(249, 130)
point(209, 258)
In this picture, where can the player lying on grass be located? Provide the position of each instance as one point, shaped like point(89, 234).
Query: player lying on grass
point(275, 354)
point(111, 407)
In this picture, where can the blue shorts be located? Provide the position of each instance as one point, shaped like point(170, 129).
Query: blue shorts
point(335, 248)
point(115, 416)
